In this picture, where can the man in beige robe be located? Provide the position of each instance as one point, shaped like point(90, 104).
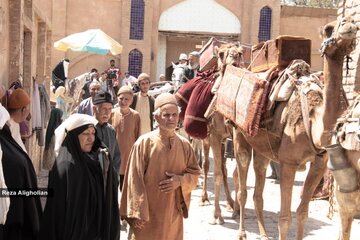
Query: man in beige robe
point(126, 123)
point(161, 173)
point(144, 104)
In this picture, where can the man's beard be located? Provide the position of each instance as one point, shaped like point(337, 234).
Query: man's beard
point(193, 66)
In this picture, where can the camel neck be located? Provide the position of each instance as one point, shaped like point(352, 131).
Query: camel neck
point(333, 73)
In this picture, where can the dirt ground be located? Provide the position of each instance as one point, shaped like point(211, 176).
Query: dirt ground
point(318, 226)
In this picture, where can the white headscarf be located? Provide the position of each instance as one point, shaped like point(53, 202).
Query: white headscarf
point(4, 201)
point(4, 116)
point(60, 92)
point(74, 121)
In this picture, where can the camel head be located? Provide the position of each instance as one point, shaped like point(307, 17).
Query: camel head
point(339, 38)
point(229, 54)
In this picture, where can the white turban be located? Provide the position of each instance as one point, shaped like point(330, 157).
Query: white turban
point(74, 121)
point(183, 56)
point(195, 54)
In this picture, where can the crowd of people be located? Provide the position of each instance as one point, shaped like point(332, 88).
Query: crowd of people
point(107, 162)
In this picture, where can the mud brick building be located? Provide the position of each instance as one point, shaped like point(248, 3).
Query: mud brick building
point(351, 80)
point(152, 32)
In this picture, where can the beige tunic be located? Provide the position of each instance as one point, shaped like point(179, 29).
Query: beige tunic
point(127, 129)
point(149, 159)
point(143, 107)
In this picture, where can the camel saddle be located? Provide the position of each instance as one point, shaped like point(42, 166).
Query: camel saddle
point(348, 127)
point(280, 52)
point(241, 98)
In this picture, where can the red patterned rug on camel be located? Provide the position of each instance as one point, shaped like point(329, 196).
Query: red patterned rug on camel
point(241, 97)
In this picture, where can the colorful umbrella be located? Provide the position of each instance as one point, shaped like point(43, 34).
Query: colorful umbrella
point(92, 40)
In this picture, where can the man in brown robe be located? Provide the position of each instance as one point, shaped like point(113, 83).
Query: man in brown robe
point(126, 123)
point(161, 173)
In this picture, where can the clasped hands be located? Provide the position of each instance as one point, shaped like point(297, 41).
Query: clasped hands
point(170, 184)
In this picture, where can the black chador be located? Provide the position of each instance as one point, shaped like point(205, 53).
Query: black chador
point(23, 218)
point(84, 205)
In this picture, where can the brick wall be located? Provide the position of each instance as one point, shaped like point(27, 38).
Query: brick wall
point(25, 50)
point(351, 79)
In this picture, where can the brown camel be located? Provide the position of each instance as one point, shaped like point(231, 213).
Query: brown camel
point(349, 203)
point(322, 117)
point(345, 164)
point(305, 136)
point(219, 130)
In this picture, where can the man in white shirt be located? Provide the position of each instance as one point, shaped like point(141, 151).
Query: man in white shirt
point(128, 80)
point(193, 66)
point(144, 104)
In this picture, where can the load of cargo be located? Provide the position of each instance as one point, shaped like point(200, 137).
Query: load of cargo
point(244, 96)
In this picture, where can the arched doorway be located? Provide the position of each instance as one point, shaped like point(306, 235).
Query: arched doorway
point(180, 31)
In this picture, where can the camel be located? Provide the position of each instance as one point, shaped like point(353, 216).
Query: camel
point(321, 119)
point(347, 152)
point(349, 203)
point(305, 137)
point(220, 129)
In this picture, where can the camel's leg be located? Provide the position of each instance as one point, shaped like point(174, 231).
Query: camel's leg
point(260, 164)
point(236, 211)
point(346, 222)
point(216, 146)
point(229, 200)
point(205, 167)
point(287, 177)
point(197, 146)
point(316, 171)
point(243, 158)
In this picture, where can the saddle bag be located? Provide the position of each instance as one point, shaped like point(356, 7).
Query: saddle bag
point(280, 52)
point(241, 98)
point(195, 123)
point(208, 56)
point(183, 94)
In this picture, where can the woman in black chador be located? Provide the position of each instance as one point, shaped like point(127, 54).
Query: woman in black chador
point(84, 205)
point(24, 213)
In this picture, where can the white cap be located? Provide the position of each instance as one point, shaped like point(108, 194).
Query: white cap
point(195, 54)
point(74, 121)
point(183, 56)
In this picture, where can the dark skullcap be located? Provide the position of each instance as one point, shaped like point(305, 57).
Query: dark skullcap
point(102, 97)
